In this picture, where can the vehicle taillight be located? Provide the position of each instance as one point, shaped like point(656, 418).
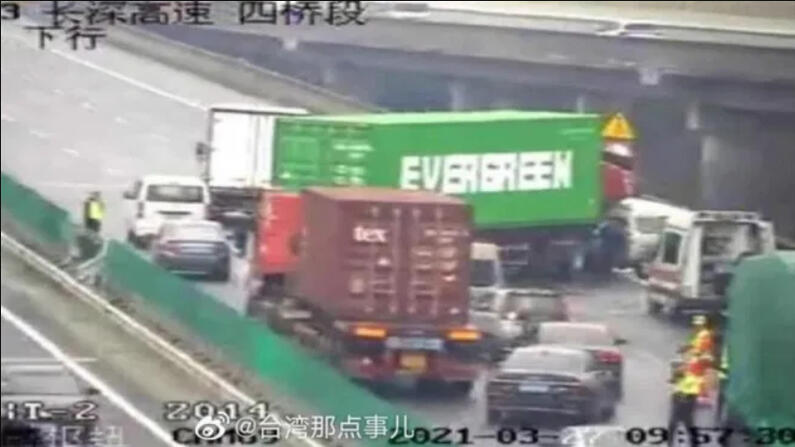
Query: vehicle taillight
point(369, 332)
point(609, 357)
point(140, 210)
point(570, 390)
point(464, 335)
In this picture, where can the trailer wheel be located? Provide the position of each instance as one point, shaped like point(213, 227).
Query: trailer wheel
point(462, 388)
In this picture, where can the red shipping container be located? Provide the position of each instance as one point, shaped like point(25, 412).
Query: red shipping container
point(277, 234)
point(387, 255)
point(617, 182)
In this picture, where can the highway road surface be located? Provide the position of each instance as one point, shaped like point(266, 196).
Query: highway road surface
point(109, 116)
point(42, 326)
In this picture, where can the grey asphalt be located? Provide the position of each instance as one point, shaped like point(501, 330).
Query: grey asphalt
point(88, 129)
point(114, 425)
point(145, 379)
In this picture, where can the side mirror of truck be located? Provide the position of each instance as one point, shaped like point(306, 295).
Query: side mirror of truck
point(128, 195)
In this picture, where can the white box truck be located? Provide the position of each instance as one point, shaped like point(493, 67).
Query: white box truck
point(236, 158)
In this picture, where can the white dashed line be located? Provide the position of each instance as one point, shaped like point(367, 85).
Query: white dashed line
point(70, 151)
point(87, 105)
point(129, 80)
point(120, 120)
point(57, 91)
point(79, 370)
point(39, 134)
point(7, 118)
point(112, 171)
point(76, 185)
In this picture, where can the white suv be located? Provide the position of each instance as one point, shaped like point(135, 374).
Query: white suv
point(154, 199)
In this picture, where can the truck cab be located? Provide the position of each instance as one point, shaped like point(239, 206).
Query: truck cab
point(643, 219)
point(697, 255)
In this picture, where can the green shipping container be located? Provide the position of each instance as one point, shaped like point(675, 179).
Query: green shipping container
point(517, 168)
point(761, 341)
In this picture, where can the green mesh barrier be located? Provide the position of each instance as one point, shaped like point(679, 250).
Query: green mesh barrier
point(35, 217)
point(278, 361)
point(761, 341)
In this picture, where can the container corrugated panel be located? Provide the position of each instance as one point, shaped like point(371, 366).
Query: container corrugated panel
point(516, 168)
point(385, 255)
point(278, 230)
point(761, 340)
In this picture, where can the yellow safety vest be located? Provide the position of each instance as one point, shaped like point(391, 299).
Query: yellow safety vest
point(689, 384)
point(95, 210)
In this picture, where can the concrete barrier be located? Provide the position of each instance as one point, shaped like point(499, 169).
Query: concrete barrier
point(234, 73)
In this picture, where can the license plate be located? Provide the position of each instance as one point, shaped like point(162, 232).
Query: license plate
point(533, 388)
point(414, 362)
point(422, 344)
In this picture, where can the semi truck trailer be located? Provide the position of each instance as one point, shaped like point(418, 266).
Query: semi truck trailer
point(537, 181)
point(376, 280)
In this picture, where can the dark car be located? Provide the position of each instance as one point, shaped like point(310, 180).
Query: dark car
point(195, 247)
point(550, 379)
point(595, 338)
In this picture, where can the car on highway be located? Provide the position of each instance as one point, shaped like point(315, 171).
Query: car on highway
point(64, 403)
point(193, 247)
point(550, 379)
point(593, 436)
point(510, 317)
point(155, 199)
point(595, 338)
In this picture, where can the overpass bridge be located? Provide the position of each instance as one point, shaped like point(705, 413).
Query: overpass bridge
point(713, 101)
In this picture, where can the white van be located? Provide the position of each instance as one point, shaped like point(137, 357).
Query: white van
point(644, 221)
point(696, 257)
point(153, 199)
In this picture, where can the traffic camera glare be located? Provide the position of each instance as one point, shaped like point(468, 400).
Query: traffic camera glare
point(377, 222)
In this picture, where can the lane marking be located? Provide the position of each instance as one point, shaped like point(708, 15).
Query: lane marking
point(76, 185)
point(57, 91)
point(129, 80)
point(41, 360)
point(70, 151)
point(39, 134)
point(87, 105)
point(120, 120)
point(114, 74)
point(88, 376)
point(8, 118)
point(112, 171)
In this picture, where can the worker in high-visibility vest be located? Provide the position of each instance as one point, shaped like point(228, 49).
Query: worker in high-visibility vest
point(94, 212)
point(687, 387)
point(702, 343)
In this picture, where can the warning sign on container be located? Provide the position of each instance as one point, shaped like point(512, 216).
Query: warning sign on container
point(618, 128)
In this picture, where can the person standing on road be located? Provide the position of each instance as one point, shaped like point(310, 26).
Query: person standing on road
point(687, 388)
point(93, 212)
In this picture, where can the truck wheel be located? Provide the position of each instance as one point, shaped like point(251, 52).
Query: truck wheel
point(133, 240)
point(462, 388)
point(222, 274)
point(654, 307)
point(640, 271)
